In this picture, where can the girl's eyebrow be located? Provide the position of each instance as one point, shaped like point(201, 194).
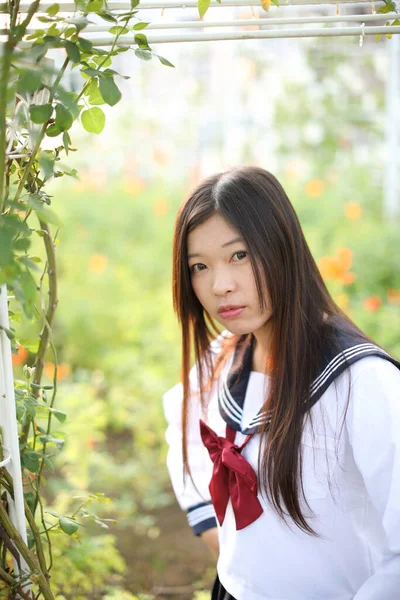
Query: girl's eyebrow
point(234, 241)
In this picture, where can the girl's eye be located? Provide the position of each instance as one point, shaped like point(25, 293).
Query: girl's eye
point(197, 267)
point(240, 255)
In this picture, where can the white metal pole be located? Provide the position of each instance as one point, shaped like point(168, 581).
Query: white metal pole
point(392, 183)
point(162, 4)
point(260, 22)
point(243, 35)
point(8, 423)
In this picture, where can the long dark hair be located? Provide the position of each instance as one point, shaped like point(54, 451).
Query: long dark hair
point(254, 203)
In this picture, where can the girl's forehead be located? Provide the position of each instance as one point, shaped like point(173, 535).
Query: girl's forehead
point(215, 233)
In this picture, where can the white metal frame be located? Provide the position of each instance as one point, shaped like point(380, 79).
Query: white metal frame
point(8, 423)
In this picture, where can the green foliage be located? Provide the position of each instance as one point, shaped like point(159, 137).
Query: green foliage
point(34, 104)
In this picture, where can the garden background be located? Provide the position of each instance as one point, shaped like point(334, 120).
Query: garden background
point(312, 112)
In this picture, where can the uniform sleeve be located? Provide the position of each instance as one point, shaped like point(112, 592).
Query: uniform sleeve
point(373, 423)
point(196, 502)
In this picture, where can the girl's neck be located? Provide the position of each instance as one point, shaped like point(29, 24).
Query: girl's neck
point(261, 354)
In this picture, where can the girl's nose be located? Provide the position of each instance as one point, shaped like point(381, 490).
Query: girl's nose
point(223, 284)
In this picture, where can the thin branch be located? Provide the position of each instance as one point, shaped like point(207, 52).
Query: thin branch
point(28, 556)
point(52, 305)
point(40, 137)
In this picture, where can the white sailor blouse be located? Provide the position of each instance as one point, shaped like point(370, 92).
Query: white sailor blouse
point(351, 480)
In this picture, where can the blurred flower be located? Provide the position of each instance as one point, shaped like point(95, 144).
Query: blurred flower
point(63, 370)
point(160, 157)
point(134, 185)
point(98, 263)
point(338, 266)
point(393, 296)
point(21, 357)
point(91, 442)
point(372, 303)
point(160, 207)
point(353, 210)
point(314, 188)
point(342, 300)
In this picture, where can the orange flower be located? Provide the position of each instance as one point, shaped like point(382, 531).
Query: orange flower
point(353, 211)
point(160, 157)
point(314, 188)
point(98, 263)
point(63, 370)
point(338, 266)
point(372, 303)
point(21, 357)
point(393, 296)
point(160, 207)
point(91, 442)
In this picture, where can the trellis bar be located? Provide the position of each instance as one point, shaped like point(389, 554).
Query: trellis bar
point(263, 22)
point(8, 423)
point(71, 7)
point(245, 35)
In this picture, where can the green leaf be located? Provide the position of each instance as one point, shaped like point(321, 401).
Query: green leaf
point(46, 161)
point(93, 120)
point(104, 62)
point(165, 62)
point(29, 81)
point(140, 26)
point(45, 214)
point(73, 51)
point(53, 31)
point(29, 264)
point(85, 44)
point(53, 10)
point(30, 460)
point(118, 30)
point(141, 41)
point(8, 332)
point(69, 32)
point(94, 6)
point(66, 142)
point(30, 500)
point(134, 3)
point(107, 16)
point(91, 72)
point(53, 131)
point(79, 22)
point(203, 6)
point(59, 415)
point(49, 439)
point(48, 463)
point(110, 91)
point(40, 113)
point(143, 54)
point(22, 244)
point(276, 2)
point(96, 99)
point(64, 118)
point(69, 526)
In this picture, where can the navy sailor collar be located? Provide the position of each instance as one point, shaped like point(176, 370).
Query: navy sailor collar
point(236, 373)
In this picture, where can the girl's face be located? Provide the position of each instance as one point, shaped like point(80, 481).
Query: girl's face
point(223, 278)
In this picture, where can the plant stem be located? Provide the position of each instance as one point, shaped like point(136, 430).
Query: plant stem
point(52, 305)
point(28, 556)
point(4, 77)
point(31, 520)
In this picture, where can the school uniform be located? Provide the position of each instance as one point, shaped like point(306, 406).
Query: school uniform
point(351, 479)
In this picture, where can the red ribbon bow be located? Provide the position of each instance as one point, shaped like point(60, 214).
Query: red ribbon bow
point(232, 478)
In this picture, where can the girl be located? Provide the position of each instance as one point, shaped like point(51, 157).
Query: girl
point(288, 426)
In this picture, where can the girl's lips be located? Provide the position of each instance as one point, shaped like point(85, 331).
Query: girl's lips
point(230, 313)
